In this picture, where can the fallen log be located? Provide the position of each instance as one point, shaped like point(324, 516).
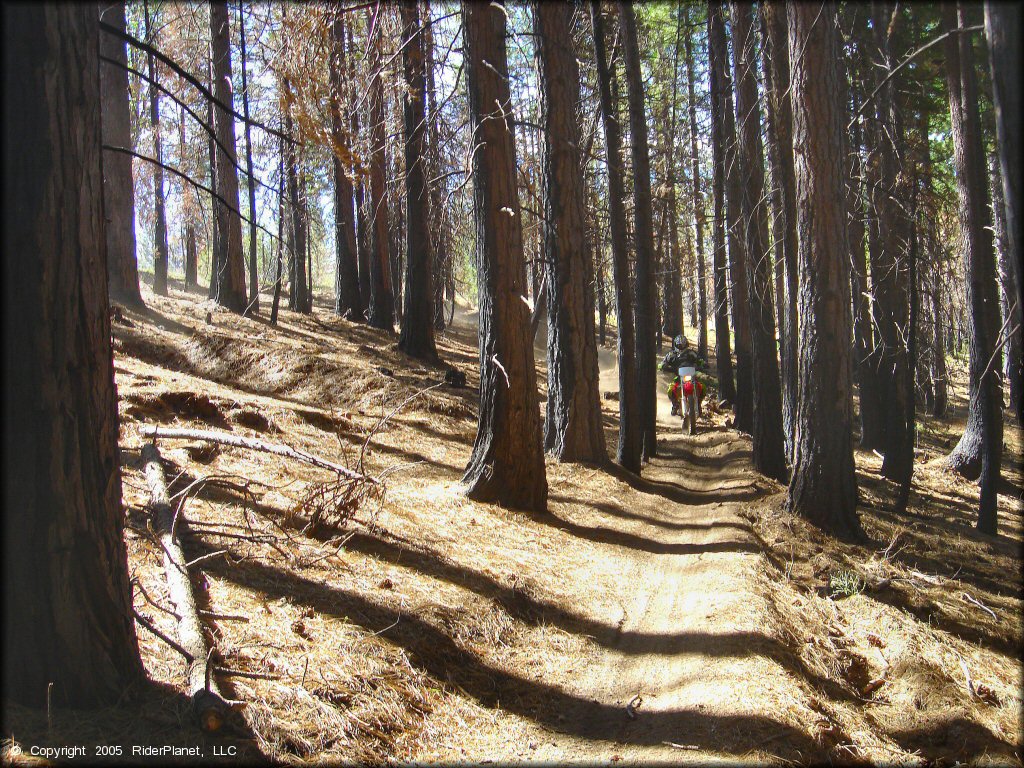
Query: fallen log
point(238, 441)
point(208, 704)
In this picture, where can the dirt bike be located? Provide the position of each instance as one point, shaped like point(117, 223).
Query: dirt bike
point(690, 404)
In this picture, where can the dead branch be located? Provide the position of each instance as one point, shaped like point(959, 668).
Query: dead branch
point(255, 445)
point(207, 702)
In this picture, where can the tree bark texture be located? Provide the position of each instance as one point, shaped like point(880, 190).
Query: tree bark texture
point(980, 448)
point(889, 269)
point(347, 300)
point(823, 488)
point(628, 451)
point(743, 404)
point(1010, 309)
point(723, 351)
point(507, 463)
point(254, 273)
point(67, 613)
point(769, 445)
point(190, 206)
point(775, 54)
point(297, 250)
point(231, 283)
point(382, 297)
point(643, 235)
point(160, 249)
point(118, 188)
point(417, 334)
point(573, 430)
point(698, 205)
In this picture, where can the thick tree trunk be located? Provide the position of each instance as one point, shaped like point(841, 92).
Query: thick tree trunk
point(347, 301)
point(67, 615)
point(698, 206)
point(382, 298)
point(643, 235)
point(824, 484)
point(628, 451)
point(980, 446)
point(254, 272)
point(775, 55)
point(231, 285)
point(507, 463)
point(889, 269)
point(716, 54)
point(1002, 28)
point(297, 252)
point(1010, 309)
point(118, 188)
point(573, 430)
point(216, 241)
point(160, 250)
point(743, 404)
point(417, 334)
point(769, 444)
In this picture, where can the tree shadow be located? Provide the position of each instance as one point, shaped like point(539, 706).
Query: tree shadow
point(439, 655)
point(669, 525)
point(953, 740)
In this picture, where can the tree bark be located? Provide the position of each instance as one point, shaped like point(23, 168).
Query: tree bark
point(254, 273)
point(118, 187)
point(823, 488)
point(67, 608)
point(769, 445)
point(347, 300)
point(279, 277)
point(1002, 28)
point(716, 77)
point(980, 448)
point(743, 404)
point(643, 235)
point(628, 450)
point(189, 204)
point(207, 703)
point(382, 298)
point(698, 206)
point(417, 334)
point(889, 269)
point(1010, 314)
point(507, 463)
point(573, 430)
point(216, 241)
point(160, 253)
point(297, 252)
point(775, 54)
point(231, 284)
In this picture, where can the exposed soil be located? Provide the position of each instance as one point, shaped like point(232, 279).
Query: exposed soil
point(682, 616)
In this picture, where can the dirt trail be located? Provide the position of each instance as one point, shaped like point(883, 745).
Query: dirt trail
point(690, 652)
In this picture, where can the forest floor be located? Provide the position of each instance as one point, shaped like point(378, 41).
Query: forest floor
point(681, 616)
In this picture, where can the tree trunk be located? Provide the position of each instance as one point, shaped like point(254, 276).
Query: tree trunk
point(254, 273)
point(716, 78)
point(118, 188)
point(382, 298)
point(573, 430)
point(160, 253)
point(190, 205)
point(347, 301)
point(824, 484)
point(231, 285)
point(417, 335)
point(1010, 315)
point(67, 616)
point(216, 241)
point(628, 451)
point(1002, 28)
point(279, 277)
point(889, 269)
point(775, 54)
point(297, 253)
point(743, 403)
point(438, 230)
point(769, 445)
point(698, 206)
point(643, 235)
point(507, 463)
point(980, 446)
point(362, 234)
